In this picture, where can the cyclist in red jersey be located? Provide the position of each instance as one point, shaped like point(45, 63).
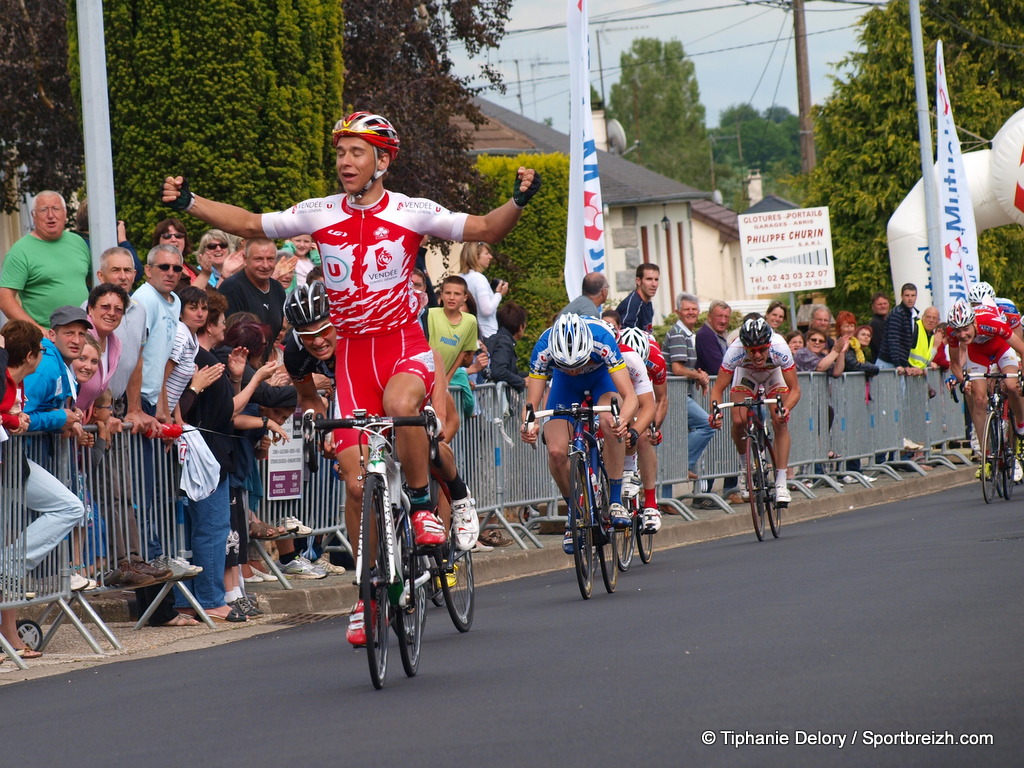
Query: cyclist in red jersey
point(368, 238)
point(978, 339)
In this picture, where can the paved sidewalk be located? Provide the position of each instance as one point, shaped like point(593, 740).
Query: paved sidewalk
point(310, 600)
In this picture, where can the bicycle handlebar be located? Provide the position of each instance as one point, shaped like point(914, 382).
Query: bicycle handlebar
point(313, 423)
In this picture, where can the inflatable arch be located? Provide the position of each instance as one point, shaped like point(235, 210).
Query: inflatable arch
point(995, 178)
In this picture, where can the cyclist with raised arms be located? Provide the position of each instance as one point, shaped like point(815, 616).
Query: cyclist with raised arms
point(979, 339)
point(368, 238)
point(579, 355)
point(759, 358)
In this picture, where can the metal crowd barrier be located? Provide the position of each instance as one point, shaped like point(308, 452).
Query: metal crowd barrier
point(129, 488)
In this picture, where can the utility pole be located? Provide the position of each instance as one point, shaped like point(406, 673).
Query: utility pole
point(803, 89)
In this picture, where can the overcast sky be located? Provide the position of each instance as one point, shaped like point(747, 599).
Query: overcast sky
point(742, 51)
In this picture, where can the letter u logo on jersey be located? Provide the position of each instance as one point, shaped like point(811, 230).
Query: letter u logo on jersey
point(337, 270)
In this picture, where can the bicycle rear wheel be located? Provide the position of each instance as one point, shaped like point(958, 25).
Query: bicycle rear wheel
point(373, 579)
point(755, 487)
point(411, 617)
point(990, 457)
point(607, 539)
point(455, 570)
point(579, 525)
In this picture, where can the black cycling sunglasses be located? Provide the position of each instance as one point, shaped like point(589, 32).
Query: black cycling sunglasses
point(165, 267)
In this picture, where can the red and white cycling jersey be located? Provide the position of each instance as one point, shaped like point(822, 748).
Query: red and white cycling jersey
point(779, 356)
point(368, 254)
point(990, 343)
point(655, 361)
point(637, 371)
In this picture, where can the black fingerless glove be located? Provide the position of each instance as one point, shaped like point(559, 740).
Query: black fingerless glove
point(185, 199)
point(632, 438)
point(521, 198)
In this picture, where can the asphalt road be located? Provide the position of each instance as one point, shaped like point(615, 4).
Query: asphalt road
point(877, 626)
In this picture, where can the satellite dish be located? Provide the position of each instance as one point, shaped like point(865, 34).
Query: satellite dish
point(616, 137)
point(716, 196)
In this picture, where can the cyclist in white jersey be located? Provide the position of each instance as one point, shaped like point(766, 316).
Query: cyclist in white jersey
point(759, 357)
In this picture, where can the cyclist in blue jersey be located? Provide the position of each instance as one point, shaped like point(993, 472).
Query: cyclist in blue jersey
point(580, 355)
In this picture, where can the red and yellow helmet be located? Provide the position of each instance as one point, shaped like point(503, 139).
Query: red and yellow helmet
point(374, 129)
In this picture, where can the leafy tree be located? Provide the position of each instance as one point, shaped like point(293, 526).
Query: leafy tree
point(238, 95)
point(868, 156)
point(398, 66)
point(746, 139)
point(40, 141)
point(657, 100)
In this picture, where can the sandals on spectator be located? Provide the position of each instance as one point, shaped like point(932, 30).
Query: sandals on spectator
point(28, 653)
point(181, 620)
point(495, 538)
point(261, 530)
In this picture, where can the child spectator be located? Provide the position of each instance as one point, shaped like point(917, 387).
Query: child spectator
point(181, 364)
point(502, 345)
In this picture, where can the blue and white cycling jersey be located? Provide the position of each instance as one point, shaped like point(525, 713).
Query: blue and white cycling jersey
point(605, 353)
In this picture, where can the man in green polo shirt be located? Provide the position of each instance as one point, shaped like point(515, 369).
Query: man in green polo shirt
point(47, 268)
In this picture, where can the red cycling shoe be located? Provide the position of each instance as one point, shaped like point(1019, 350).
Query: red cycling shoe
point(427, 529)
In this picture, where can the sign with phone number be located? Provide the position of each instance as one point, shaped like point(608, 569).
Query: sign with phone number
point(788, 250)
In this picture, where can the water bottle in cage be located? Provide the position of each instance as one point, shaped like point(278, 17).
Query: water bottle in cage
point(597, 489)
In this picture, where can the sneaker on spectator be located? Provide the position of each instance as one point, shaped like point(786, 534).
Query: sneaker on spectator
point(567, 545)
point(910, 445)
point(80, 584)
point(179, 568)
point(256, 578)
point(293, 525)
point(652, 520)
point(427, 529)
point(245, 606)
point(324, 563)
point(620, 517)
point(301, 568)
point(849, 480)
point(356, 632)
point(465, 523)
point(141, 566)
point(782, 494)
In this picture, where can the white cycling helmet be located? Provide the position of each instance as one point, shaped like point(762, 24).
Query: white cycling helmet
point(981, 291)
point(570, 341)
point(637, 340)
point(961, 314)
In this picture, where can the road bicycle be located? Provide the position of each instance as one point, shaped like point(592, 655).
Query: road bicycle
point(998, 462)
point(391, 572)
point(634, 538)
point(589, 491)
point(760, 461)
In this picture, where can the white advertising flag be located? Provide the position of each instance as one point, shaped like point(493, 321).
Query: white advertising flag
point(584, 240)
point(958, 268)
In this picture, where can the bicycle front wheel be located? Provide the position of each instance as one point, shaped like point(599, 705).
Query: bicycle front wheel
point(579, 525)
point(607, 539)
point(373, 578)
point(990, 457)
point(644, 543)
point(756, 487)
point(773, 509)
point(627, 538)
point(1008, 463)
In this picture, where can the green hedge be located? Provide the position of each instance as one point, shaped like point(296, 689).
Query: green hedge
point(532, 257)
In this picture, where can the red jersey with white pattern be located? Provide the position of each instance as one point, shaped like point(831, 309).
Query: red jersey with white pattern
point(992, 334)
point(779, 356)
point(368, 254)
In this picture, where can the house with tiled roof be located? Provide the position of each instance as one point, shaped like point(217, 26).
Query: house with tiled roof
point(648, 217)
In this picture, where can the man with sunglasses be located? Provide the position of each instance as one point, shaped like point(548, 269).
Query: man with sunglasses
point(759, 358)
point(156, 295)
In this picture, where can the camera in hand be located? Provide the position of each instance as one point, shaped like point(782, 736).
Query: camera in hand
point(495, 282)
